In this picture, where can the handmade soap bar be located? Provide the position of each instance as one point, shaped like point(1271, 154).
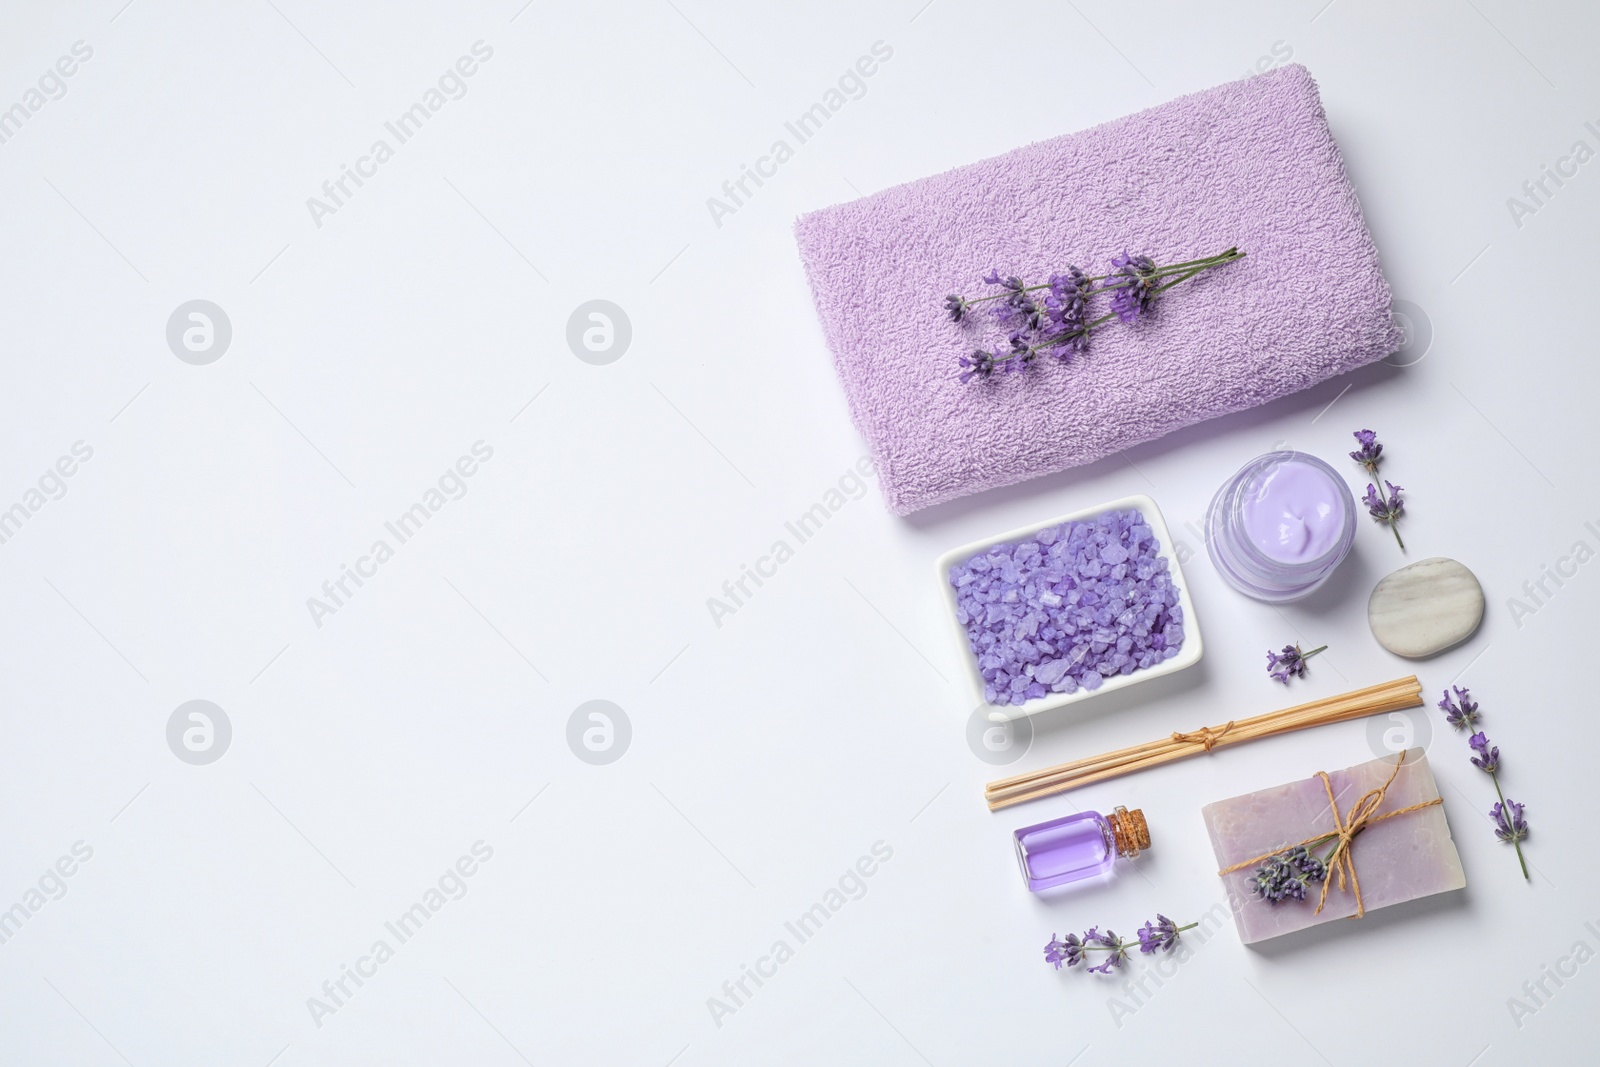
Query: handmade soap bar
point(1397, 859)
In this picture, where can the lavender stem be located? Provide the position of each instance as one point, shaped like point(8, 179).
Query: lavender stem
point(1209, 261)
point(1515, 842)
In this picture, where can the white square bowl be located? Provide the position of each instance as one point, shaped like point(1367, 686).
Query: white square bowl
point(1188, 655)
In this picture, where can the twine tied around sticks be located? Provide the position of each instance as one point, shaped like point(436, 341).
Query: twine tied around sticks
point(1362, 814)
point(1205, 737)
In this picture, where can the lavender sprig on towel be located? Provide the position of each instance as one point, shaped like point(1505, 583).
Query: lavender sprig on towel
point(1054, 317)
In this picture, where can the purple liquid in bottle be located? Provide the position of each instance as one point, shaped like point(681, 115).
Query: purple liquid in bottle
point(1078, 846)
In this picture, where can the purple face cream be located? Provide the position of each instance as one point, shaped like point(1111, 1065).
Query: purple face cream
point(1293, 511)
point(1280, 526)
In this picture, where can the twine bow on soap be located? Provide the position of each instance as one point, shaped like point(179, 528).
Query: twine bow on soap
point(1362, 814)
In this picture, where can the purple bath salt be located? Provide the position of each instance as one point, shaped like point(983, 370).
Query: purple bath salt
point(1068, 608)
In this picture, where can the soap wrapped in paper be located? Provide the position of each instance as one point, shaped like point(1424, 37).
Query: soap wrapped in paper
point(1398, 855)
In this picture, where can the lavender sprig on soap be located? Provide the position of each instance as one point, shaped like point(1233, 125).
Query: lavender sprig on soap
point(1461, 712)
point(1286, 875)
point(1053, 317)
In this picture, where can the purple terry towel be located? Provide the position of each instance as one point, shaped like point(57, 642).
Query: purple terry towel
point(1251, 164)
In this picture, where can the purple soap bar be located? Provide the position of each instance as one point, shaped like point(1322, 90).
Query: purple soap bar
point(1398, 859)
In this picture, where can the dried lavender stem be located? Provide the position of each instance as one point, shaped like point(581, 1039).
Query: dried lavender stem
point(1209, 261)
point(1198, 265)
point(1103, 319)
point(1124, 944)
point(1515, 842)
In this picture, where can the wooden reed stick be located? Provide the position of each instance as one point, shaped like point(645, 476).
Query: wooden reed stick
point(1388, 696)
point(1351, 705)
point(1359, 698)
point(1049, 787)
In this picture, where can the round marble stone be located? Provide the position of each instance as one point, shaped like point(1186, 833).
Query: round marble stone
point(1425, 608)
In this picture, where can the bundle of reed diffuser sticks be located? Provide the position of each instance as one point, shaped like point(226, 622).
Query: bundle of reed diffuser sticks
point(1388, 696)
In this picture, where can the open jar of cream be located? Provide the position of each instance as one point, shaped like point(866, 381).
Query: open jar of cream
point(1280, 526)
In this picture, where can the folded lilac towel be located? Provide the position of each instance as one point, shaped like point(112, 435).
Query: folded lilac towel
point(1251, 164)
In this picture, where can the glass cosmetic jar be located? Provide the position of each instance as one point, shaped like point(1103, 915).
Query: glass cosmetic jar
point(1280, 526)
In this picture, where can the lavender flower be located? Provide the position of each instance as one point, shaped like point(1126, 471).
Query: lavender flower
point(1509, 823)
point(1016, 307)
point(1067, 299)
point(1387, 511)
point(1134, 287)
point(1286, 875)
point(1488, 756)
point(1021, 354)
point(978, 365)
point(1160, 935)
point(1463, 714)
point(1020, 314)
point(1066, 305)
point(1066, 347)
point(1116, 951)
point(1369, 452)
point(1068, 950)
point(1058, 320)
point(1072, 950)
point(1290, 662)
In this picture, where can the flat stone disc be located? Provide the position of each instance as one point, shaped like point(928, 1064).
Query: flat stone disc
point(1425, 608)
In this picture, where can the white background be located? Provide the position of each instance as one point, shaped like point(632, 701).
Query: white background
point(770, 753)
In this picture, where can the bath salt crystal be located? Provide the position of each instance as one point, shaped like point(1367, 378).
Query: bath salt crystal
point(1069, 607)
point(1051, 672)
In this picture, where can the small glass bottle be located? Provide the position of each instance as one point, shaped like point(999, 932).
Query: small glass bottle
point(1079, 846)
point(1280, 526)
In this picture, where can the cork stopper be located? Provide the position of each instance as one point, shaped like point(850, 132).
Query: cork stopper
point(1129, 832)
